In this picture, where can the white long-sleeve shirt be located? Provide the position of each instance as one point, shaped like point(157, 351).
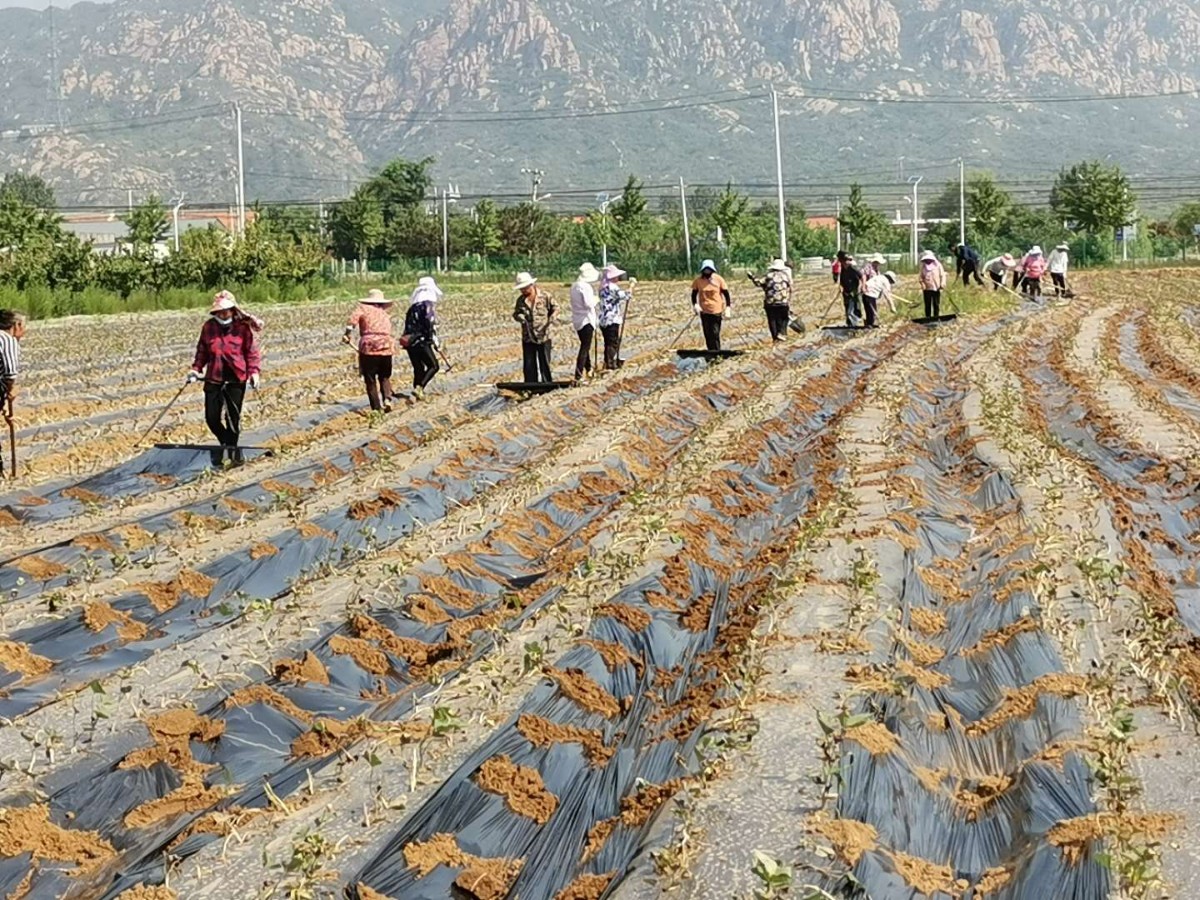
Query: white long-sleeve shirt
point(1059, 260)
point(877, 287)
point(10, 357)
point(583, 305)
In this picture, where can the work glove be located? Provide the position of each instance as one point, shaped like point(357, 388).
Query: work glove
point(437, 342)
point(193, 377)
point(728, 312)
point(632, 282)
point(696, 308)
point(254, 379)
point(346, 339)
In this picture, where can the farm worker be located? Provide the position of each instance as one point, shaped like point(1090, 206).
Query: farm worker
point(777, 296)
point(711, 302)
point(227, 358)
point(420, 334)
point(878, 287)
point(836, 268)
point(1034, 267)
point(12, 329)
point(583, 317)
point(850, 279)
point(1059, 263)
point(966, 261)
point(535, 311)
point(999, 267)
point(613, 301)
point(375, 346)
point(873, 266)
point(932, 276)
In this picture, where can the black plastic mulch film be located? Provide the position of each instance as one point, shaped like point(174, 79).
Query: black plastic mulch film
point(558, 800)
point(142, 800)
point(962, 784)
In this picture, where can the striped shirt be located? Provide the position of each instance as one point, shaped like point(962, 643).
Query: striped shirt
point(10, 357)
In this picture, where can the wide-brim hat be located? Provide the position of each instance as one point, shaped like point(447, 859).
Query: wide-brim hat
point(1035, 250)
point(777, 265)
point(613, 272)
point(1063, 247)
point(426, 283)
point(928, 256)
point(708, 264)
point(588, 273)
point(1008, 259)
point(375, 296)
point(890, 276)
point(879, 259)
point(224, 301)
point(523, 280)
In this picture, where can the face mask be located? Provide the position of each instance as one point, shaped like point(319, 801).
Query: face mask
point(224, 323)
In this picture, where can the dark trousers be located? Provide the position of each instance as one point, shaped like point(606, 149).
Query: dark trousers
point(933, 304)
point(711, 323)
point(971, 270)
point(871, 307)
point(997, 280)
point(1033, 287)
point(851, 302)
point(583, 360)
point(778, 316)
point(1017, 279)
point(1060, 283)
point(377, 376)
point(425, 365)
point(537, 362)
point(612, 346)
point(223, 414)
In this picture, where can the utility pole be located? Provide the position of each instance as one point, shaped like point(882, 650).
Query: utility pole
point(445, 230)
point(130, 192)
point(962, 201)
point(687, 234)
point(241, 168)
point(915, 180)
point(604, 200)
point(175, 218)
point(838, 207)
point(535, 176)
point(783, 253)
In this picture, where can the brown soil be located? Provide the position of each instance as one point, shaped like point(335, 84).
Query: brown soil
point(450, 593)
point(134, 537)
point(676, 582)
point(241, 507)
point(1020, 703)
point(586, 887)
point(636, 810)
point(926, 678)
point(8, 520)
point(172, 733)
point(634, 619)
point(838, 642)
point(948, 589)
point(32, 500)
point(29, 830)
point(614, 655)
point(985, 792)
point(698, 615)
point(926, 877)
point(20, 659)
point(927, 621)
point(308, 670)
point(21, 891)
point(274, 486)
point(84, 496)
point(95, 543)
point(366, 656)
point(310, 530)
point(544, 733)
point(98, 615)
point(874, 737)
point(160, 480)
point(366, 893)
point(143, 892)
point(484, 879)
point(522, 788)
point(426, 610)
point(585, 693)
point(1056, 753)
point(850, 839)
point(1073, 836)
point(369, 509)
point(997, 639)
point(418, 654)
point(262, 551)
point(993, 881)
point(165, 595)
point(260, 693)
point(39, 569)
point(922, 654)
point(191, 797)
point(194, 583)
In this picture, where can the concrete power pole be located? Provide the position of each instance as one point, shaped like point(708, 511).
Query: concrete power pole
point(783, 252)
point(241, 169)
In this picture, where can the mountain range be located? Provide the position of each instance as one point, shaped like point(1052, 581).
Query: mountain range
point(137, 95)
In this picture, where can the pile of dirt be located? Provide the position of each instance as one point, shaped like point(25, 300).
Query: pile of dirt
point(922, 654)
point(996, 639)
point(699, 614)
point(370, 509)
point(366, 656)
point(925, 678)
point(544, 733)
point(190, 797)
point(144, 892)
point(29, 830)
point(926, 877)
point(584, 692)
point(39, 569)
point(83, 495)
point(981, 794)
point(873, 737)
point(1021, 702)
point(417, 654)
point(260, 693)
point(134, 537)
point(172, 733)
point(426, 610)
point(307, 670)
point(95, 543)
point(586, 887)
point(309, 530)
point(522, 788)
point(263, 550)
point(850, 839)
point(450, 593)
point(993, 882)
point(636, 810)
point(483, 879)
point(239, 506)
point(164, 596)
point(635, 620)
point(20, 659)
point(927, 621)
point(98, 615)
point(1074, 836)
point(614, 655)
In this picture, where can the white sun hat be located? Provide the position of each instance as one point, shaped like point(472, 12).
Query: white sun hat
point(524, 280)
point(777, 265)
point(708, 264)
point(928, 255)
point(588, 273)
point(1035, 250)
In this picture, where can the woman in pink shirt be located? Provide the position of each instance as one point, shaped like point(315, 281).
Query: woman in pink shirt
point(227, 358)
point(1034, 267)
point(375, 347)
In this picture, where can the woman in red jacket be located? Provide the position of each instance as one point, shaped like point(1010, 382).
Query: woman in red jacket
point(227, 358)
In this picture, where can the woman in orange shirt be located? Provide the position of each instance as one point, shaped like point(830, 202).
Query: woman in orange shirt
point(375, 347)
point(711, 302)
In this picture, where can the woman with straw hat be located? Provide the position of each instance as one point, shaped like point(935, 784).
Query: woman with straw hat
point(420, 334)
point(932, 276)
point(534, 309)
point(583, 317)
point(776, 286)
point(228, 358)
point(613, 301)
point(999, 267)
point(375, 347)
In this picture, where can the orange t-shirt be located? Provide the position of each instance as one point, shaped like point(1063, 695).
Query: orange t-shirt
point(709, 294)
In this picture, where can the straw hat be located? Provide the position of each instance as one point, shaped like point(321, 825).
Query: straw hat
point(777, 265)
point(524, 280)
point(1009, 260)
point(613, 272)
point(708, 264)
point(588, 273)
point(224, 301)
point(1063, 247)
point(879, 259)
point(375, 296)
point(928, 256)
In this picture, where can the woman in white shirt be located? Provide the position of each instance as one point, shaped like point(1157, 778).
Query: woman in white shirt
point(1059, 262)
point(583, 317)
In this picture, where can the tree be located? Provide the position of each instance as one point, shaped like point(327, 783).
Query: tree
point(356, 226)
point(400, 184)
point(1183, 225)
point(483, 230)
point(295, 223)
point(528, 230)
point(864, 226)
point(147, 224)
point(28, 189)
point(1097, 198)
point(630, 221)
point(727, 213)
point(987, 204)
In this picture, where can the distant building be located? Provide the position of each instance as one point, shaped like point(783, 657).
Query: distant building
point(107, 233)
point(829, 223)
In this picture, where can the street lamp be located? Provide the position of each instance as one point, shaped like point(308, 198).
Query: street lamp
point(604, 200)
point(915, 180)
point(175, 219)
point(535, 176)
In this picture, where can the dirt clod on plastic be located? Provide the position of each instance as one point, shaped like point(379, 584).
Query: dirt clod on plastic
point(850, 839)
point(698, 615)
point(366, 656)
point(993, 881)
point(263, 550)
point(148, 892)
point(544, 733)
point(98, 615)
point(95, 543)
point(996, 639)
point(1021, 702)
point(134, 537)
point(636, 810)
point(927, 621)
point(586, 887)
point(926, 678)
point(584, 692)
point(425, 609)
point(190, 797)
point(874, 737)
point(165, 595)
point(307, 670)
point(1074, 836)
point(922, 654)
point(29, 830)
point(172, 733)
point(614, 655)
point(16, 657)
point(926, 877)
point(39, 569)
point(260, 693)
point(982, 794)
point(309, 530)
point(522, 788)
point(369, 893)
point(483, 879)
point(417, 654)
point(83, 495)
point(634, 619)
point(330, 735)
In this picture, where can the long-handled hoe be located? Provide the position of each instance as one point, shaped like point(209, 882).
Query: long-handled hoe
point(12, 438)
point(165, 410)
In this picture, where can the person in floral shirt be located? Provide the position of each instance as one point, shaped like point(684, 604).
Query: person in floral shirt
point(777, 297)
point(613, 301)
point(375, 347)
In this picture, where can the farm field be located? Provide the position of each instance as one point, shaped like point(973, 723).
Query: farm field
point(893, 614)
